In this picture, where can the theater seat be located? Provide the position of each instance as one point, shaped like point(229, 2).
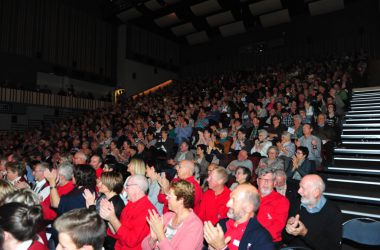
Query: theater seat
point(364, 231)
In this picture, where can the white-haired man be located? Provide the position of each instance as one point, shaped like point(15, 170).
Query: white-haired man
point(318, 222)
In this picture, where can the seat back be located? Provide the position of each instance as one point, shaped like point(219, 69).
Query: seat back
point(364, 231)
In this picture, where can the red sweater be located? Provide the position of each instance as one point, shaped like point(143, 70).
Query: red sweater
point(48, 212)
point(197, 199)
point(273, 213)
point(134, 227)
point(213, 207)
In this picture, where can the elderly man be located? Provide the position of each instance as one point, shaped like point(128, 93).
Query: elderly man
point(96, 161)
point(185, 171)
point(79, 158)
point(132, 227)
point(317, 223)
point(213, 205)
point(242, 160)
point(313, 144)
point(41, 187)
point(241, 230)
point(274, 207)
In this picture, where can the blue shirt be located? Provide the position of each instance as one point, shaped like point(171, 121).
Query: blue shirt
point(317, 207)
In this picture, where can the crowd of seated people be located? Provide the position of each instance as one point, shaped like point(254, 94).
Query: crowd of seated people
point(227, 161)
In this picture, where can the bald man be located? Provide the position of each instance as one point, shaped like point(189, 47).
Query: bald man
point(317, 223)
point(240, 230)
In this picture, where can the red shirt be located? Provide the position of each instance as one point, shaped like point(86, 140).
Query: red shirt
point(197, 199)
point(235, 232)
point(134, 227)
point(273, 213)
point(98, 172)
point(213, 207)
point(48, 213)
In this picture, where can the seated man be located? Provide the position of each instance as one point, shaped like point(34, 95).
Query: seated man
point(313, 144)
point(274, 207)
point(132, 227)
point(80, 229)
point(328, 137)
point(242, 160)
point(241, 230)
point(213, 205)
point(317, 223)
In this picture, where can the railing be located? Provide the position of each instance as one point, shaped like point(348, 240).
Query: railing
point(50, 100)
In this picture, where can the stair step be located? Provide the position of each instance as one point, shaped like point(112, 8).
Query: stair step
point(356, 120)
point(354, 170)
point(361, 130)
point(362, 111)
point(353, 181)
point(363, 115)
point(361, 125)
point(370, 94)
point(365, 99)
point(357, 151)
point(368, 195)
point(360, 211)
point(369, 107)
point(365, 136)
point(365, 104)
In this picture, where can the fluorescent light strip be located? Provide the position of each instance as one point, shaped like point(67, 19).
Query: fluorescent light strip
point(356, 159)
point(354, 181)
point(361, 111)
point(374, 108)
point(362, 125)
point(362, 120)
point(352, 196)
point(360, 213)
point(361, 136)
point(362, 142)
point(362, 130)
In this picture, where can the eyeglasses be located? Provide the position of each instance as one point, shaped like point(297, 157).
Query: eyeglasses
point(266, 181)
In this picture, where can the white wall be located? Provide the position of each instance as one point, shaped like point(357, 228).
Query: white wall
point(145, 76)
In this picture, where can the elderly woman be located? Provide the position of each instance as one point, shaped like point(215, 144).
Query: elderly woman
point(179, 229)
point(286, 147)
point(272, 162)
point(296, 130)
point(243, 176)
point(15, 171)
point(261, 144)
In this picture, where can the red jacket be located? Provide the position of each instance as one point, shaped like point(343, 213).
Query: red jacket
point(197, 200)
point(213, 208)
point(48, 212)
point(273, 213)
point(134, 227)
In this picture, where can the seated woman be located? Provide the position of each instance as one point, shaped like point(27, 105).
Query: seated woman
point(110, 186)
point(15, 172)
point(272, 162)
point(19, 225)
point(300, 166)
point(243, 175)
point(153, 171)
point(275, 129)
point(261, 144)
point(180, 228)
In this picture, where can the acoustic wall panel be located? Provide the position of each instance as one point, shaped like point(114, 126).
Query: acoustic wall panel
point(325, 6)
point(206, 7)
point(220, 19)
point(275, 18)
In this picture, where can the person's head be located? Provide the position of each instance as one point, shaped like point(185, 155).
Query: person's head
point(307, 129)
point(276, 120)
point(185, 169)
point(211, 167)
point(110, 182)
point(136, 187)
point(217, 179)
point(85, 176)
point(223, 133)
point(80, 229)
point(65, 173)
point(96, 161)
point(79, 158)
point(181, 194)
point(243, 203)
point(273, 152)
point(201, 149)
point(243, 155)
point(140, 147)
point(302, 153)
point(241, 134)
point(321, 120)
point(243, 175)
point(263, 134)
point(5, 188)
point(136, 167)
point(297, 119)
point(24, 196)
point(285, 137)
point(265, 181)
point(280, 178)
point(311, 190)
point(14, 170)
point(184, 147)
point(38, 170)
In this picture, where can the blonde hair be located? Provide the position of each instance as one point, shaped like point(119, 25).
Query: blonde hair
point(138, 166)
point(5, 188)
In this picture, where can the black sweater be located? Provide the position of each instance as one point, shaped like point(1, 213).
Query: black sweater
point(324, 228)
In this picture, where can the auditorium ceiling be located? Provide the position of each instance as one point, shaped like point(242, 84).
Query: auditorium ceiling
point(200, 21)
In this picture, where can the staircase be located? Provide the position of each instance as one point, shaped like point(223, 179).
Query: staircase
point(353, 180)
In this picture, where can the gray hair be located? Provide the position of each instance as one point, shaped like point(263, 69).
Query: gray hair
point(43, 165)
point(264, 171)
point(263, 131)
point(253, 198)
point(66, 169)
point(298, 117)
point(275, 148)
point(280, 172)
point(24, 196)
point(141, 181)
point(286, 134)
